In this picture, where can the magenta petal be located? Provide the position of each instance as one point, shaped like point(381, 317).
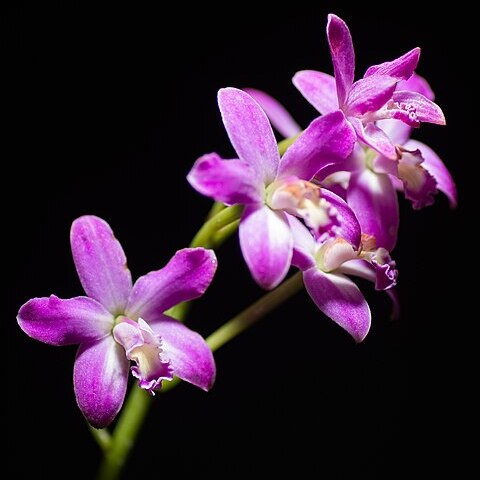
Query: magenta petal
point(386, 273)
point(303, 244)
point(343, 56)
point(362, 269)
point(100, 377)
point(370, 94)
point(267, 244)
point(276, 112)
point(341, 300)
point(348, 226)
point(418, 84)
point(437, 169)
point(318, 88)
point(227, 181)
point(413, 108)
point(374, 201)
point(64, 322)
point(250, 132)
point(401, 68)
point(419, 185)
point(188, 353)
point(375, 138)
point(327, 140)
point(101, 263)
point(396, 130)
point(185, 277)
point(144, 347)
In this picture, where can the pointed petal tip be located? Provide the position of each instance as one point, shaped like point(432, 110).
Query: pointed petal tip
point(250, 131)
point(87, 217)
point(332, 18)
point(100, 262)
point(339, 299)
point(359, 338)
point(185, 277)
point(278, 115)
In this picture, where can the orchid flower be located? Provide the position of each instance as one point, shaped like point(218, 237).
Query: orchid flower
point(117, 323)
point(373, 178)
point(269, 187)
point(374, 97)
point(368, 180)
point(325, 266)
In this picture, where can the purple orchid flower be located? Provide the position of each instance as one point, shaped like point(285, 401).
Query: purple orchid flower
point(367, 180)
point(269, 187)
point(117, 322)
point(374, 97)
point(325, 266)
point(374, 179)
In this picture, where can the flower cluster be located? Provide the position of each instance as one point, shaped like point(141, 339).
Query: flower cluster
point(327, 205)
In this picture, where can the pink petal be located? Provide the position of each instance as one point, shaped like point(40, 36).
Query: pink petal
point(374, 201)
point(227, 181)
point(418, 184)
point(327, 140)
point(188, 353)
point(434, 165)
point(375, 138)
point(276, 113)
point(413, 108)
point(146, 349)
point(401, 68)
point(385, 269)
point(418, 84)
point(397, 131)
point(370, 94)
point(341, 300)
point(319, 90)
point(343, 56)
point(64, 322)
point(101, 263)
point(250, 132)
point(185, 277)
point(362, 269)
point(100, 377)
point(333, 253)
point(303, 244)
point(348, 225)
point(267, 245)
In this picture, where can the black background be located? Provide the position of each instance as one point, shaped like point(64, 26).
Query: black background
point(106, 112)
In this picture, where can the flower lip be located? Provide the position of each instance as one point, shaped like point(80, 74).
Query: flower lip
point(333, 253)
point(144, 348)
point(303, 199)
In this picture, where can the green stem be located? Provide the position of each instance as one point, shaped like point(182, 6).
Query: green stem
point(244, 320)
point(284, 144)
point(255, 312)
point(102, 436)
point(217, 207)
point(223, 234)
point(179, 311)
point(126, 431)
point(210, 227)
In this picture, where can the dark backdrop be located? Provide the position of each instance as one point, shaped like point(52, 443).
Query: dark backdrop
point(106, 114)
